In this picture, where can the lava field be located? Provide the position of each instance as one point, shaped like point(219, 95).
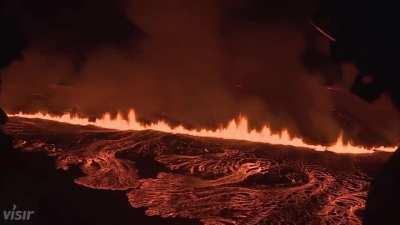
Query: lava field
point(212, 181)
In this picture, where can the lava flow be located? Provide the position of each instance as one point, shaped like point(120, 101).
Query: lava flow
point(212, 181)
point(236, 129)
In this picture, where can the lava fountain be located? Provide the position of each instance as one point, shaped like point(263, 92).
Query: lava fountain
point(237, 129)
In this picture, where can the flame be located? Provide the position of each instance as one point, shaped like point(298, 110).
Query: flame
point(237, 129)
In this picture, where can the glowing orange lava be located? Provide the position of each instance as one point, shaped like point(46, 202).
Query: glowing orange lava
point(236, 129)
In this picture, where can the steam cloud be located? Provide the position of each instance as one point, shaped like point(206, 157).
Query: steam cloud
point(199, 63)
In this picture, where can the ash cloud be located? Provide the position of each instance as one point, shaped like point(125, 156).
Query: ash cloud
point(199, 63)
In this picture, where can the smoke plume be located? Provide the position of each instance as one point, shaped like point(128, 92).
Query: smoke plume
point(200, 63)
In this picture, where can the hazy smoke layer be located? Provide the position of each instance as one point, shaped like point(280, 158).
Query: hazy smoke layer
point(200, 63)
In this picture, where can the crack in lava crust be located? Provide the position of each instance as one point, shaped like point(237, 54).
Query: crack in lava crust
point(213, 180)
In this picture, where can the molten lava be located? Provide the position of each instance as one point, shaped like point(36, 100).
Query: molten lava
point(236, 129)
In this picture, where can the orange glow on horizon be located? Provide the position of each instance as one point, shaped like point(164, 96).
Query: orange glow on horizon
point(236, 130)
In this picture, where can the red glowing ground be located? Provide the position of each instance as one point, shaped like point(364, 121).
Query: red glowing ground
point(214, 181)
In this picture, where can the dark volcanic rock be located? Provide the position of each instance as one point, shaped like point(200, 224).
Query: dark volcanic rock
point(3, 117)
point(383, 205)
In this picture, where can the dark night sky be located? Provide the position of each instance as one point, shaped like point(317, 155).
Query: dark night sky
point(199, 62)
